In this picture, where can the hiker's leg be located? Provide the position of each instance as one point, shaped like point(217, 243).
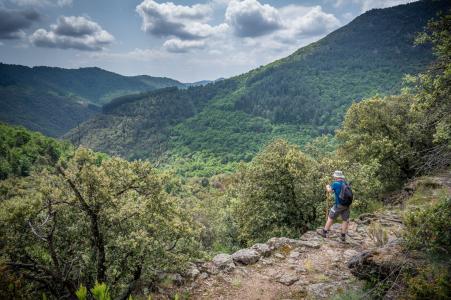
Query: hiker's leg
point(344, 226)
point(345, 214)
point(329, 223)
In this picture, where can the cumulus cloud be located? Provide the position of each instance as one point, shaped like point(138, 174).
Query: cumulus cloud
point(249, 18)
point(13, 22)
point(179, 21)
point(181, 46)
point(307, 21)
point(73, 32)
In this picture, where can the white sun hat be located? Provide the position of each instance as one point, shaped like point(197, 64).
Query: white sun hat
point(338, 174)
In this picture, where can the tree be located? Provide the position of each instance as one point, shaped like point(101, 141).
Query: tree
point(379, 131)
point(93, 219)
point(432, 90)
point(279, 194)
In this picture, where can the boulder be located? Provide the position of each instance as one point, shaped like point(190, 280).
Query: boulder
point(246, 256)
point(223, 262)
point(262, 249)
point(287, 279)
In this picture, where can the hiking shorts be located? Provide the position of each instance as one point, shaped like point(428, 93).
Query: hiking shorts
point(339, 209)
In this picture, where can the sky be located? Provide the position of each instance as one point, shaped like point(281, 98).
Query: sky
point(188, 40)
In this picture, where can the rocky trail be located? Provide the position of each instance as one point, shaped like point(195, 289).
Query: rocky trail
point(311, 267)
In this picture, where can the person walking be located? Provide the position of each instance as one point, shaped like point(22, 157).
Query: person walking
point(343, 200)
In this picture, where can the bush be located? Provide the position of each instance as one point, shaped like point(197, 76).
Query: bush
point(433, 282)
point(429, 228)
point(280, 194)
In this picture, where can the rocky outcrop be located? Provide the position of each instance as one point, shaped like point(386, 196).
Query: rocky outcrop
point(246, 256)
point(381, 263)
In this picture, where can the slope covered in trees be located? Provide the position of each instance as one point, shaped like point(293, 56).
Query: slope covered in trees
point(55, 100)
point(84, 217)
point(297, 98)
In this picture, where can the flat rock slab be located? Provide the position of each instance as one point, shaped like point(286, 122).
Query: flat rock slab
point(310, 244)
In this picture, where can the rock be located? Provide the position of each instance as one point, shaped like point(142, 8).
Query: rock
point(262, 249)
point(278, 242)
point(223, 262)
point(266, 262)
point(322, 290)
point(246, 256)
point(192, 272)
point(279, 255)
point(310, 244)
point(203, 276)
point(295, 254)
point(287, 279)
point(177, 279)
point(300, 269)
point(380, 263)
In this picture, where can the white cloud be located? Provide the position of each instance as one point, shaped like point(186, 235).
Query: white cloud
point(171, 20)
point(180, 46)
point(73, 32)
point(311, 21)
point(249, 18)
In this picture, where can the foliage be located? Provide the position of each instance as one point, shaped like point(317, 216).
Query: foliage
point(377, 233)
point(379, 130)
point(21, 151)
point(101, 292)
point(432, 282)
point(432, 91)
point(94, 219)
point(429, 228)
point(210, 203)
point(280, 194)
point(82, 293)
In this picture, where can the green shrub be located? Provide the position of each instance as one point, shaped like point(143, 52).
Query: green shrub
point(279, 194)
point(433, 282)
point(429, 228)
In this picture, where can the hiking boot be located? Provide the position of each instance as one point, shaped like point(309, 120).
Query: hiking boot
point(343, 237)
point(322, 232)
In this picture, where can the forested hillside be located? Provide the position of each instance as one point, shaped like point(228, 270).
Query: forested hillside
point(55, 100)
point(297, 98)
point(78, 224)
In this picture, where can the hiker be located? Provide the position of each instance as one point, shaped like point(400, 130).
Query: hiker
point(343, 200)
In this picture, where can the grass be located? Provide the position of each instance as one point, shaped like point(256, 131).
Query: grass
point(236, 282)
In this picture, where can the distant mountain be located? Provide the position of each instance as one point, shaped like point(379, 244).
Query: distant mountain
point(298, 97)
point(54, 100)
point(202, 82)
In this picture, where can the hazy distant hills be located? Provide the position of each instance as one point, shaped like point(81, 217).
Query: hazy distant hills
point(54, 100)
point(297, 97)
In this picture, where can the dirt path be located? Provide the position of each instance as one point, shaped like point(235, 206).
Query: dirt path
point(309, 268)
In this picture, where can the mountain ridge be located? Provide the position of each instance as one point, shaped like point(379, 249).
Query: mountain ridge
point(297, 98)
point(54, 100)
